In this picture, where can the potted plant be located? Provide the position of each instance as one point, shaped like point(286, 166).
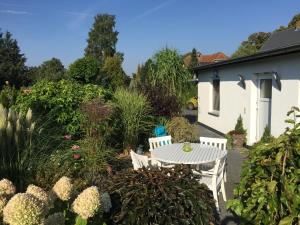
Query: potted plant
point(238, 134)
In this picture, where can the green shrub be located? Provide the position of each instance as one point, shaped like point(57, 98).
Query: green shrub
point(84, 70)
point(267, 137)
point(135, 116)
point(181, 130)
point(166, 196)
point(239, 127)
point(8, 96)
point(60, 101)
point(268, 192)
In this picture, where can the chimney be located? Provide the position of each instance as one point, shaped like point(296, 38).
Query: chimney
point(298, 25)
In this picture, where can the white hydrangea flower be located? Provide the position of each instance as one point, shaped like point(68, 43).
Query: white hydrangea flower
point(39, 193)
point(106, 202)
point(24, 209)
point(63, 188)
point(87, 203)
point(7, 187)
point(3, 201)
point(55, 219)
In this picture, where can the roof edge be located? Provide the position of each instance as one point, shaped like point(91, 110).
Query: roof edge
point(256, 56)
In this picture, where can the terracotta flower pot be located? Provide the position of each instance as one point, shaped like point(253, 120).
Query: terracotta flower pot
point(238, 140)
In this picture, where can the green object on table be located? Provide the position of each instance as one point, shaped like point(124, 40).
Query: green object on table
point(187, 147)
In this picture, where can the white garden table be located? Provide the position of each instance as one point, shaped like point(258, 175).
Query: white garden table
point(200, 154)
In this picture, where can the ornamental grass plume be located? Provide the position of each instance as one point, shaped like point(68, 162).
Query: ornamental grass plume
point(87, 203)
point(24, 209)
point(55, 219)
point(39, 193)
point(3, 201)
point(63, 188)
point(7, 187)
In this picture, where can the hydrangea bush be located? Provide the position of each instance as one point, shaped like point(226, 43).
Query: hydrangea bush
point(37, 207)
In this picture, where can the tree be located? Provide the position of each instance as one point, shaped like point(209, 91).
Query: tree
point(194, 59)
point(52, 70)
point(254, 42)
point(102, 38)
point(12, 62)
point(114, 74)
point(85, 70)
point(169, 71)
point(291, 24)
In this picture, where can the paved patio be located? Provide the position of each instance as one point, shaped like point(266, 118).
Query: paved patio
point(234, 164)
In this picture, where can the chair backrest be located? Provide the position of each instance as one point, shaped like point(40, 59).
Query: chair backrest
point(159, 141)
point(139, 161)
point(215, 142)
point(218, 171)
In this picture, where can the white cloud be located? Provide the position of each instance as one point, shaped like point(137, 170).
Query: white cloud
point(14, 12)
point(153, 10)
point(77, 18)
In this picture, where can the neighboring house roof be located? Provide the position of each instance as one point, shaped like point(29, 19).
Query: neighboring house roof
point(282, 39)
point(205, 59)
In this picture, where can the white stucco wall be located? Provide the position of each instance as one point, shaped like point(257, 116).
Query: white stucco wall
point(234, 100)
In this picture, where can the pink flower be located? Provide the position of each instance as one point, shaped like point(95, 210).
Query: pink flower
point(68, 137)
point(75, 147)
point(76, 156)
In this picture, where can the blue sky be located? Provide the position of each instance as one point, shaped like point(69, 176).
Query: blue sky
point(59, 28)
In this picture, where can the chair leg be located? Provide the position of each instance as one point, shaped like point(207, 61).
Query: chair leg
point(225, 175)
point(215, 194)
point(223, 191)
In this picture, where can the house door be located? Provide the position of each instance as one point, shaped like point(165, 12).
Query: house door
point(264, 105)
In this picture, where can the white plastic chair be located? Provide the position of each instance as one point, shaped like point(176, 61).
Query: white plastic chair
point(140, 161)
point(215, 142)
point(215, 179)
point(159, 141)
point(219, 143)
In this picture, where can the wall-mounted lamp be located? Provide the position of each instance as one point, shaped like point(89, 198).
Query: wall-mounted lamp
point(242, 82)
point(216, 75)
point(276, 77)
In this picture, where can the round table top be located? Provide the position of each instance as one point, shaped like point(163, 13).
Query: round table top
point(200, 154)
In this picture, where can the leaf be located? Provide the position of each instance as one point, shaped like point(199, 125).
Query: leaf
point(272, 186)
point(286, 220)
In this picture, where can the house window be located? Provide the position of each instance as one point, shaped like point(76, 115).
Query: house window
point(216, 95)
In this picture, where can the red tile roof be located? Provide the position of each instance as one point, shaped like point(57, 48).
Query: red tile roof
point(212, 58)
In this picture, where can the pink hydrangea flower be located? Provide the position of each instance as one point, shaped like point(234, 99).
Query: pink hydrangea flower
point(68, 137)
point(75, 147)
point(76, 156)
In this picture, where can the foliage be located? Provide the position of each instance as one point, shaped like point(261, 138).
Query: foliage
point(52, 69)
point(291, 24)
point(166, 196)
point(12, 62)
point(114, 73)
point(168, 71)
point(239, 127)
point(230, 140)
point(16, 135)
point(84, 70)
point(60, 101)
point(267, 137)
point(254, 42)
point(194, 59)
point(141, 77)
point(102, 38)
point(8, 95)
point(83, 160)
point(268, 192)
point(181, 130)
point(135, 116)
point(162, 102)
point(37, 206)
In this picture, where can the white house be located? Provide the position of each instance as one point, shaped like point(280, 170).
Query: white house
point(261, 88)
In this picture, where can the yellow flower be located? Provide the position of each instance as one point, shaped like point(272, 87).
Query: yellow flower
point(87, 203)
point(55, 219)
point(63, 188)
point(7, 187)
point(24, 209)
